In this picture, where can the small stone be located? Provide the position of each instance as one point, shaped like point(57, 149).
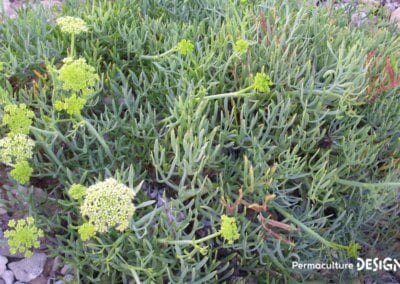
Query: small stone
point(8, 277)
point(39, 280)
point(2, 281)
point(5, 250)
point(56, 265)
point(69, 277)
point(3, 211)
point(28, 268)
point(371, 2)
point(358, 18)
point(395, 17)
point(65, 269)
point(3, 262)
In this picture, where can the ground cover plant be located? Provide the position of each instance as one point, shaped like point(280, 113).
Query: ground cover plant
point(201, 141)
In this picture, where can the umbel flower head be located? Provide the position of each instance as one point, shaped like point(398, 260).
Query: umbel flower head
point(72, 25)
point(77, 191)
point(22, 172)
point(16, 148)
point(78, 76)
point(22, 236)
point(241, 46)
point(229, 230)
point(72, 105)
point(108, 204)
point(262, 83)
point(353, 249)
point(87, 231)
point(18, 118)
point(185, 47)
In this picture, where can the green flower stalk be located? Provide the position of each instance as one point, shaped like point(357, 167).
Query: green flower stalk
point(18, 118)
point(108, 204)
point(16, 148)
point(241, 46)
point(228, 231)
point(22, 236)
point(72, 105)
point(22, 172)
point(184, 47)
point(72, 26)
point(78, 76)
point(352, 249)
point(261, 84)
point(77, 191)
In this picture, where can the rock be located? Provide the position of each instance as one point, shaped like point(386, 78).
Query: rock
point(69, 278)
point(358, 18)
point(2, 281)
point(65, 269)
point(395, 17)
point(8, 277)
point(39, 280)
point(56, 265)
point(29, 268)
point(3, 262)
point(5, 250)
point(371, 2)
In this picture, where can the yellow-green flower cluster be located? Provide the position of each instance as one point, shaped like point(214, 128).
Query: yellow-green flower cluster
point(108, 204)
point(22, 172)
point(353, 249)
point(241, 46)
point(18, 118)
point(78, 76)
point(229, 230)
point(87, 231)
point(16, 148)
point(262, 83)
point(185, 47)
point(72, 25)
point(77, 191)
point(23, 235)
point(72, 105)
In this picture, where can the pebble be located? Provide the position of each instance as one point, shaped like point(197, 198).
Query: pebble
point(39, 280)
point(3, 262)
point(371, 2)
point(65, 270)
point(395, 17)
point(8, 277)
point(29, 268)
point(358, 18)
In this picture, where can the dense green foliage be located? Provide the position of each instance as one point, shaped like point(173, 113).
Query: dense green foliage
point(320, 146)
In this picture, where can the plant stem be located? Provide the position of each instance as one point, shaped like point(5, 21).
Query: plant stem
point(306, 229)
point(101, 140)
point(158, 56)
point(45, 132)
point(72, 45)
point(240, 93)
point(189, 242)
point(367, 185)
